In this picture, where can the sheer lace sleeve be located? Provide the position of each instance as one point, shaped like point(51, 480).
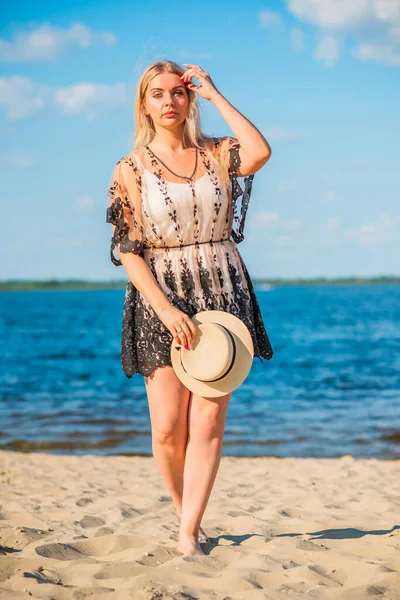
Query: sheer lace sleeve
point(124, 209)
point(227, 153)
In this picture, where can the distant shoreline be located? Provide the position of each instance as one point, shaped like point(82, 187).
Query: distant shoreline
point(78, 284)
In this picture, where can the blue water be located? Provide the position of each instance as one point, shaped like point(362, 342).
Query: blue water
point(331, 388)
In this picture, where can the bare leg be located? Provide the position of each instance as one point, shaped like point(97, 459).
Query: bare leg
point(168, 405)
point(206, 425)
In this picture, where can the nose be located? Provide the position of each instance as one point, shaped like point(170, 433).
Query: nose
point(169, 101)
point(169, 106)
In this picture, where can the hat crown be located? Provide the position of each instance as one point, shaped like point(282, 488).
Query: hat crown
point(232, 333)
point(212, 354)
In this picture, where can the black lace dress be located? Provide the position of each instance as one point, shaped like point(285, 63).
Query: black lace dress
point(187, 234)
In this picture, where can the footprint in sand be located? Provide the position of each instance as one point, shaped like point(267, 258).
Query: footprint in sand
point(309, 546)
point(332, 577)
point(89, 521)
point(60, 551)
point(294, 513)
point(123, 570)
point(104, 531)
point(290, 564)
point(44, 576)
point(128, 511)
point(84, 501)
point(101, 546)
point(14, 539)
point(129, 569)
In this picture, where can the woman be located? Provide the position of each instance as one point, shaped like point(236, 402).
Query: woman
point(174, 203)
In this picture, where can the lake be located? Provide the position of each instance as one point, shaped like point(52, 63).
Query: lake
point(331, 388)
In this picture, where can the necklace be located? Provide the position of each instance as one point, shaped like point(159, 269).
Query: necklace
point(181, 176)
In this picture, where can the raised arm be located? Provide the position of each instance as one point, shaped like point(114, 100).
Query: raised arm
point(254, 150)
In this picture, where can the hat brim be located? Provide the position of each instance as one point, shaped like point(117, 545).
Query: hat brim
point(243, 360)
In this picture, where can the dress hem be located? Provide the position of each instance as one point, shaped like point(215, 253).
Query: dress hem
point(262, 358)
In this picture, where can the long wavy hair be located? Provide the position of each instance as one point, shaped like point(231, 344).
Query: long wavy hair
point(144, 127)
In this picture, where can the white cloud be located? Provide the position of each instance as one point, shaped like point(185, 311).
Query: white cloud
point(274, 134)
point(16, 160)
point(21, 97)
point(332, 224)
point(364, 234)
point(342, 14)
point(90, 98)
point(47, 42)
point(271, 219)
point(286, 187)
point(296, 37)
point(263, 219)
point(389, 220)
point(268, 18)
point(60, 243)
point(53, 244)
point(327, 50)
point(85, 203)
point(375, 24)
point(378, 53)
point(284, 240)
point(77, 242)
point(329, 195)
point(294, 223)
point(384, 231)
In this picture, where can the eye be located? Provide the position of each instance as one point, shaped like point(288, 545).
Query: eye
point(180, 92)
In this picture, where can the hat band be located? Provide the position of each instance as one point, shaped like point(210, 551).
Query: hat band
point(232, 360)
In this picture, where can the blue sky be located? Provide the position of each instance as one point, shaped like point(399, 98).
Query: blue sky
point(319, 78)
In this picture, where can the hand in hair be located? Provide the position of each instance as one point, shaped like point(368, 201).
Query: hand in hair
point(206, 89)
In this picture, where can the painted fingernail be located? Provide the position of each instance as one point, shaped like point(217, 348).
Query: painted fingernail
point(186, 347)
point(191, 346)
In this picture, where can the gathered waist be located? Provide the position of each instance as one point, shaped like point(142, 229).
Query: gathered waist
point(211, 242)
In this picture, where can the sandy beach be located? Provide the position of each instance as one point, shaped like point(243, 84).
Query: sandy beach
point(105, 527)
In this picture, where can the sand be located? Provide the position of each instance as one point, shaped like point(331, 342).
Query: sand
point(105, 527)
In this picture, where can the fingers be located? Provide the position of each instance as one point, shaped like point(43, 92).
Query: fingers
point(195, 72)
point(184, 335)
point(188, 75)
point(188, 331)
point(193, 329)
point(192, 66)
point(195, 67)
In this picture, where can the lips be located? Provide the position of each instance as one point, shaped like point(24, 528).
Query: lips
point(170, 114)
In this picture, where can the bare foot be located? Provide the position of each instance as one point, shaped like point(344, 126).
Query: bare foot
point(189, 546)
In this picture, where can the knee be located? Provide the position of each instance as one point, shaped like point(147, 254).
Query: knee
point(169, 434)
point(209, 423)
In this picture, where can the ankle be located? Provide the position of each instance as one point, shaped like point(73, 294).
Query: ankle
point(188, 530)
point(188, 536)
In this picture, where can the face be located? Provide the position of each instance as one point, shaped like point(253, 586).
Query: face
point(166, 92)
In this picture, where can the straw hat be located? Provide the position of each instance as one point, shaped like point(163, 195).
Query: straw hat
point(221, 358)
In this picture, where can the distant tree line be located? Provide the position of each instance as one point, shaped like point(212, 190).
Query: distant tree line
point(81, 284)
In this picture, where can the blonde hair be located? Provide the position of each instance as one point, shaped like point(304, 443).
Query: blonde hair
point(144, 127)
